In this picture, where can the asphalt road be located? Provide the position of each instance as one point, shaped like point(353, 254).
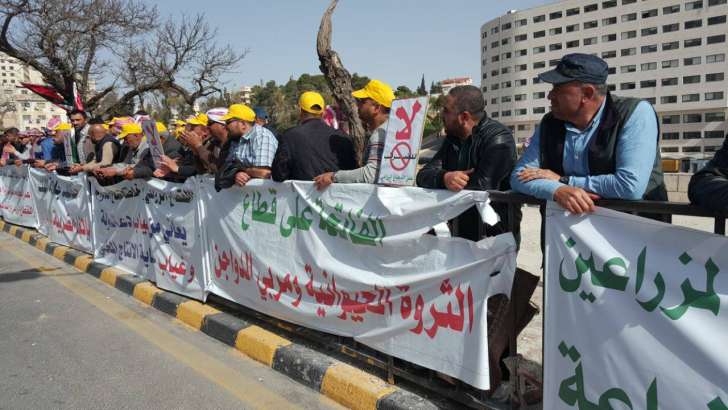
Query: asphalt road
point(69, 341)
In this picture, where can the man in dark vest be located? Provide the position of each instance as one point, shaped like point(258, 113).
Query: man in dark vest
point(592, 144)
point(106, 150)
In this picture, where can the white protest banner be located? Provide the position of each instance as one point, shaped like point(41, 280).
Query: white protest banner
point(636, 314)
point(149, 127)
point(42, 195)
point(70, 212)
point(403, 140)
point(17, 199)
point(121, 228)
point(175, 231)
point(356, 261)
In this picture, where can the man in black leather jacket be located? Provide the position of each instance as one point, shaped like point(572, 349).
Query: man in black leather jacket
point(479, 154)
point(709, 186)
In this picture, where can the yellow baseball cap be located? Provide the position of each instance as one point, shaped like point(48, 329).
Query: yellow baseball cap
point(129, 129)
point(377, 91)
point(199, 119)
point(312, 102)
point(160, 127)
point(240, 112)
point(64, 126)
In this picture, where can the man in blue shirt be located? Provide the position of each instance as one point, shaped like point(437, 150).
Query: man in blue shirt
point(591, 144)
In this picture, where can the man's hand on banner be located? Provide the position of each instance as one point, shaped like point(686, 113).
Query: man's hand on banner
point(241, 178)
point(324, 180)
point(575, 200)
point(529, 174)
point(105, 172)
point(128, 173)
point(456, 181)
point(75, 169)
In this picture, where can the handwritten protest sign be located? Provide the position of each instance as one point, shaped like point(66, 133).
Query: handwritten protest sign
point(149, 127)
point(403, 141)
point(636, 314)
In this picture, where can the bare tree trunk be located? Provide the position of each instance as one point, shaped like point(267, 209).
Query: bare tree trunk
point(339, 79)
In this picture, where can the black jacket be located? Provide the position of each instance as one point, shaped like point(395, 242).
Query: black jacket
point(227, 166)
point(709, 186)
point(312, 149)
point(491, 153)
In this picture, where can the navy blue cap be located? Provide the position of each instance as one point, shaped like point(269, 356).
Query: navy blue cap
point(577, 67)
point(260, 113)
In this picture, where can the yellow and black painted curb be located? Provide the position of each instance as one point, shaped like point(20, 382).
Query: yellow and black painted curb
point(345, 384)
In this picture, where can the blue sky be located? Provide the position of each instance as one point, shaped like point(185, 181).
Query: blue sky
point(396, 40)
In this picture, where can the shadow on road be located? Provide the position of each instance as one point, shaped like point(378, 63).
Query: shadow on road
point(28, 274)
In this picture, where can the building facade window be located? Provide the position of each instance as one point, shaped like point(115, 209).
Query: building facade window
point(672, 45)
point(716, 39)
point(629, 17)
point(713, 134)
point(671, 119)
point(671, 9)
point(714, 95)
point(666, 82)
point(714, 116)
point(686, 98)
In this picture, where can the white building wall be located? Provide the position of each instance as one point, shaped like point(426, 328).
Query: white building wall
point(518, 46)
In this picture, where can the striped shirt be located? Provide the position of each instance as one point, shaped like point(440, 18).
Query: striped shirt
point(372, 157)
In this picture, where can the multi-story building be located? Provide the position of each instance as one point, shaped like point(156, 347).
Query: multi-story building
point(451, 83)
point(669, 52)
point(30, 111)
point(246, 94)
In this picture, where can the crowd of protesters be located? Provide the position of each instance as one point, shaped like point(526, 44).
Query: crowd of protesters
point(591, 145)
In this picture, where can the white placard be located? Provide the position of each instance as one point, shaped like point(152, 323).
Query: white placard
point(403, 141)
point(636, 314)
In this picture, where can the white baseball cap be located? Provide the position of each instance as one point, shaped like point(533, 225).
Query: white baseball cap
point(216, 115)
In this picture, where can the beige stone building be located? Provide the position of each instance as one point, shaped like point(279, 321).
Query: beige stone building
point(669, 52)
point(31, 111)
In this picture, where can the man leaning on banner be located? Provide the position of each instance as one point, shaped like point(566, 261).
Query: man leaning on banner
point(373, 103)
point(592, 144)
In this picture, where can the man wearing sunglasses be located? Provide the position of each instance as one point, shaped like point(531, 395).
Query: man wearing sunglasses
point(249, 151)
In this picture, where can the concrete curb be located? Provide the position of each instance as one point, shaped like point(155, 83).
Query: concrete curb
point(345, 384)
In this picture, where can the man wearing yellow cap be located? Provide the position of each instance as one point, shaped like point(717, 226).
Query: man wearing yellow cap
point(373, 103)
point(134, 146)
point(312, 148)
point(249, 151)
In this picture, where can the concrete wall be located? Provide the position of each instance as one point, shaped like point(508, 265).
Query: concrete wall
point(677, 186)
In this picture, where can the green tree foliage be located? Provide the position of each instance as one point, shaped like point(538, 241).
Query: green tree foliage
point(435, 88)
point(281, 100)
point(404, 92)
point(422, 90)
